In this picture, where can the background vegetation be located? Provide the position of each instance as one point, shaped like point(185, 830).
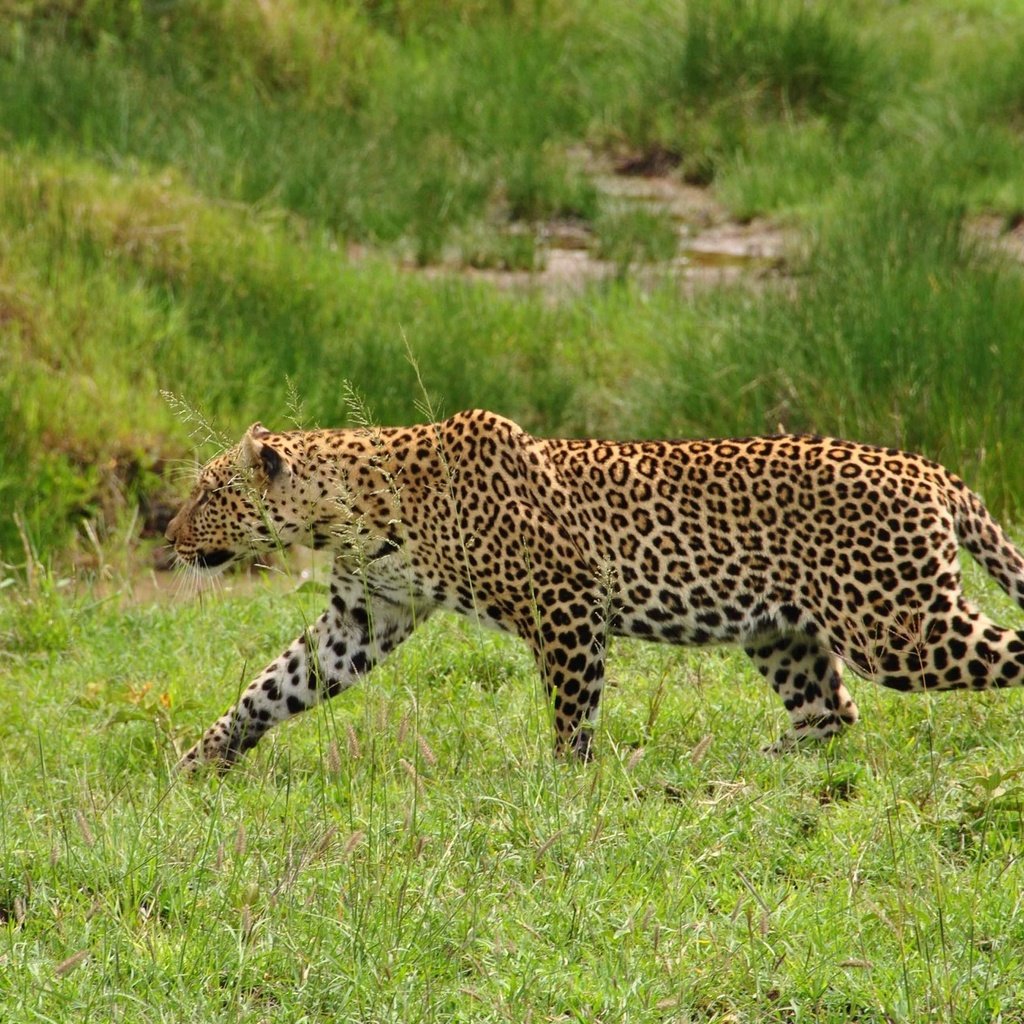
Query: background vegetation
point(251, 204)
point(183, 186)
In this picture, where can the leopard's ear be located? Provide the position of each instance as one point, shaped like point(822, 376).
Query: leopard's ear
point(256, 453)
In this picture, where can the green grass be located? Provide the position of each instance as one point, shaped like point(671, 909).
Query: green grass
point(412, 852)
point(779, 57)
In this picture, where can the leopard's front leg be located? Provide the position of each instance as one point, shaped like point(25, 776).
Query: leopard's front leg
point(352, 636)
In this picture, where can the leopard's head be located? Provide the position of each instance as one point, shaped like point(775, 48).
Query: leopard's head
point(246, 501)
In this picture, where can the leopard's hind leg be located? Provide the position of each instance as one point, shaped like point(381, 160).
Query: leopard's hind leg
point(808, 678)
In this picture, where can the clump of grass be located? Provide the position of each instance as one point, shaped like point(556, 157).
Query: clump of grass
point(633, 234)
point(708, 81)
point(315, 52)
point(404, 136)
point(788, 58)
point(539, 185)
point(487, 249)
point(816, 155)
point(979, 117)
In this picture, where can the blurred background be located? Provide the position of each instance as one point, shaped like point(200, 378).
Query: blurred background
point(660, 218)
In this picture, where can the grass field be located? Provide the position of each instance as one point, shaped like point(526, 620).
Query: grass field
point(412, 852)
point(236, 203)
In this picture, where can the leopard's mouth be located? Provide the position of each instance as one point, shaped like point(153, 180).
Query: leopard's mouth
point(212, 559)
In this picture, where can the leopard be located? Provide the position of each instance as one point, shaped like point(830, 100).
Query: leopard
point(814, 554)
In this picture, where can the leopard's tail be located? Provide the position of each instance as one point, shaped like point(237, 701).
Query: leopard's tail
point(978, 531)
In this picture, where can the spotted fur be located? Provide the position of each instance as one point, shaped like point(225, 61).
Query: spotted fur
point(812, 553)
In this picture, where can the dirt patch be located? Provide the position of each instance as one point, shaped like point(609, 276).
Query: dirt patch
point(712, 248)
point(1004, 235)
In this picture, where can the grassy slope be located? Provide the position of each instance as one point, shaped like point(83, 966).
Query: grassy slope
point(411, 853)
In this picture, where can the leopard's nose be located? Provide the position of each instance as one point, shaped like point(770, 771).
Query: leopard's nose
point(172, 529)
